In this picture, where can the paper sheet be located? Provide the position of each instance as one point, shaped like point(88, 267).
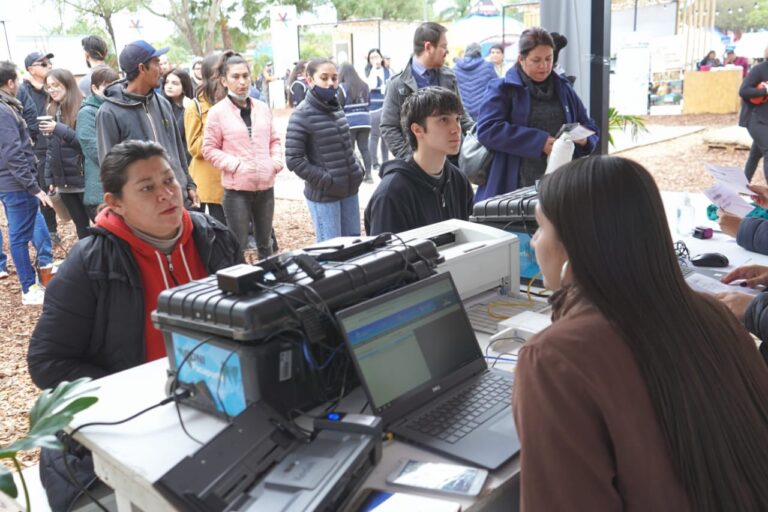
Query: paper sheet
point(706, 284)
point(728, 200)
point(731, 177)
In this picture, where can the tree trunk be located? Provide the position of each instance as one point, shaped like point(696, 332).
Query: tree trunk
point(210, 25)
point(108, 21)
point(226, 37)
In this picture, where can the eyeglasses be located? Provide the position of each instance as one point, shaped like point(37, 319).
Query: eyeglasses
point(44, 64)
point(54, 87)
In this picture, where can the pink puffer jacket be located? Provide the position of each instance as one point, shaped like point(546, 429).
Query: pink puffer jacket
point(246, 163)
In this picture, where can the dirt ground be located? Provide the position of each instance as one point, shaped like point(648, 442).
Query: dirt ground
point(676, 165)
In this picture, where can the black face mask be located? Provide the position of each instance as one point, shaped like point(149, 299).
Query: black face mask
point(326, 94)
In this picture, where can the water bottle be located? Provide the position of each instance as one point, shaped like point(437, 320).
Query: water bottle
point(685, 217)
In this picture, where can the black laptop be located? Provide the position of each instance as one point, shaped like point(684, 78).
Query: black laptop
point(425, 375)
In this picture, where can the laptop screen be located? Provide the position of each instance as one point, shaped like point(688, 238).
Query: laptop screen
point(410, 338)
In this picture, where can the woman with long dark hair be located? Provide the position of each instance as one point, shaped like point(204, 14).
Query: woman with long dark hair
point(206, 175)
point(64, 160)
point(318, 148)
point(241, 141)
point(642, 394)
point(354, 97)
point(297, 84)
point(377, 75)
point(178, 90)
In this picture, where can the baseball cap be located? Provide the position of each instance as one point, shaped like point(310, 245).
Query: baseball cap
point(35, 57)
point(138, 52)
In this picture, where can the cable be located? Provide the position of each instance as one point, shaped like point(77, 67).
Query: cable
point(175, 386)
point(68, 438)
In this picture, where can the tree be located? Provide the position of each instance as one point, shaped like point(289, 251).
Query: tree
point(389, 10)
point(741, 15)
point(459, 10)
point(205, 24)
point(100, 10)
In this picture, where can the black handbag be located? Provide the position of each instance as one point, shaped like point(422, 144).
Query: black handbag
point(474, 158)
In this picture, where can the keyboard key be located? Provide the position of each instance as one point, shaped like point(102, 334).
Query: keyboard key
point(452, 439)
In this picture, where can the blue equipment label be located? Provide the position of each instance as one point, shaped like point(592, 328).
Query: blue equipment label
point(218, 368)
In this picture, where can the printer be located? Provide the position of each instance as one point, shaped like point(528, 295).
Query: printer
point(479, 257)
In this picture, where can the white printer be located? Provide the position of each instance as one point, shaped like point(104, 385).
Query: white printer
point(478, 257)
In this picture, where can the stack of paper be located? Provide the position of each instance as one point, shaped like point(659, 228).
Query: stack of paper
point(730, 182)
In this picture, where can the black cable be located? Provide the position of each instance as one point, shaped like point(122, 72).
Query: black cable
point(67, 438)
point(365, 406)
point(175, 386)
point(83, 489)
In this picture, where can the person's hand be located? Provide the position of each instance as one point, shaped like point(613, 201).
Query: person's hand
point(46, 127)
point(276, 166)
point(753, 275)
point(192, 193)
point(736, 302)
point(581, 142)
point(43, 197)
point(761, 195)
point(548, 145)
point(729, 224)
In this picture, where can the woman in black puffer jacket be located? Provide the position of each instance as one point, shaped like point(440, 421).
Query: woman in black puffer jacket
point(318, 148)
point(64, 159)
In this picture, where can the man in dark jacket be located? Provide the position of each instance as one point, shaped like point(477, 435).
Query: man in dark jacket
point(473, 74)
point(425, 68)
point(32, 92)
point(19, 190)
point(426, 188)
point(133, 111)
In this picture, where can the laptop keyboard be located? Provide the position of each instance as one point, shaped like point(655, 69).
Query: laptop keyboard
point(455, 418)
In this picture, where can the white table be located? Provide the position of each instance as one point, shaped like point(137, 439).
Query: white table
point(131, 456)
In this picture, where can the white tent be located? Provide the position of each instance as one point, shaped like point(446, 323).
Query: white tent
point(752, 45)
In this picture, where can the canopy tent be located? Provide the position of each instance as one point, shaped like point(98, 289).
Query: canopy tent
point(752, 45)
point(484, 30)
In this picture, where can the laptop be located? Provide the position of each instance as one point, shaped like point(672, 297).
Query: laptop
point(424, 373)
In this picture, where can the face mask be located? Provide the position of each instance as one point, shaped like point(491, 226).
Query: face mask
point(326, 94)
point(237, 97)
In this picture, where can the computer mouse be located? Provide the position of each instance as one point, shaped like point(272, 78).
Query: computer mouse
point(710, 259)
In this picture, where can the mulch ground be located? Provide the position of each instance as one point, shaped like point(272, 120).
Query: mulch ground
point(676, 165)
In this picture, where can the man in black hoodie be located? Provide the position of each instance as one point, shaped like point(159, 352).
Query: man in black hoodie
point(426, 188)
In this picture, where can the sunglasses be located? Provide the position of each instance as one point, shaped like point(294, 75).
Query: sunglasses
point(44, 64)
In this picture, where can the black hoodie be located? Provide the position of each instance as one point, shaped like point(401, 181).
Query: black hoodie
point(408, 198)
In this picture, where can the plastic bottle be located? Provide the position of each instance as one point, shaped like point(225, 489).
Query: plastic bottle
point(685, 217)
point(562, 153)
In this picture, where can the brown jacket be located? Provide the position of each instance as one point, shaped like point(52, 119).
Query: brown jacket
point(206, 176)
point(589, 435)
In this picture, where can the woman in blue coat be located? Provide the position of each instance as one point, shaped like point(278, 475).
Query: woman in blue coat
point(521, 113)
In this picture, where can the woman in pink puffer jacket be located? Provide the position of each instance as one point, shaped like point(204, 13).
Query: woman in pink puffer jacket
point(241, 141)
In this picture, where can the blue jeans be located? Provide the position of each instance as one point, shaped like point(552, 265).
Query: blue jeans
point(22, 212)
point(337, 218)
point(3, 257)
point(41, 239)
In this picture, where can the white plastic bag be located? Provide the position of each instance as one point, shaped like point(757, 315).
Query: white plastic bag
point(562, 153)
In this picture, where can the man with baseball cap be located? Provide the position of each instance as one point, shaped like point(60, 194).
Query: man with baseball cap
point(38, 64)
point(133, 111)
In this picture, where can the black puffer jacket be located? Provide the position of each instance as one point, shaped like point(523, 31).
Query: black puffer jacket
point(756, 321)
point(92, 322)
point(64, 159)
point(318, 148)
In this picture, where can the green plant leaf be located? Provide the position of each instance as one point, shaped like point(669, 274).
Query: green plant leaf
point(50, 401)
point(7, 485)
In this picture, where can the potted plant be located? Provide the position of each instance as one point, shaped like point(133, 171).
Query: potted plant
point(620, 122)
point(53, 411)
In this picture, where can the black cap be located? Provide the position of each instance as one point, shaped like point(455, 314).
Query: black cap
point(138, 52)
point(36, 57)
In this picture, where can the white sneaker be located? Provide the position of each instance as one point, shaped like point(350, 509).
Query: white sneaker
point(3, 274)
point(34, 296)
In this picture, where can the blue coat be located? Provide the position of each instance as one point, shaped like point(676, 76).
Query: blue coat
point(502, 126)
point(473, 75)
